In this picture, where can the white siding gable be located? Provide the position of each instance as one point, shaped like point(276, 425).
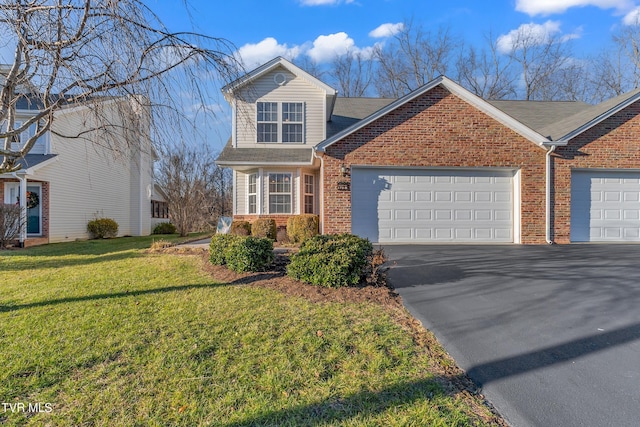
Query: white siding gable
point(267, 89)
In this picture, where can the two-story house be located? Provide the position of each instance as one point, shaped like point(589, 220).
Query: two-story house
point(66, 181)
point(437, 165)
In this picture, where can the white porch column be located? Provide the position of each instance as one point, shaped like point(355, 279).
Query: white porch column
point(23, 208)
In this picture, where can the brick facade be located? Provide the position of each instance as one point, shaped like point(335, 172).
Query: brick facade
point(281, 220)
point(437, 129)
point(612, 144)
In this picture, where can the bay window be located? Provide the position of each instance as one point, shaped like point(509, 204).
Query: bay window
point(280, 193)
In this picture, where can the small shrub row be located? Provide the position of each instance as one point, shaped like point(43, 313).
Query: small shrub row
point(241, 253)
point(299, 228)
point(302, 227)
point(332, 260)
point(264, 227)
point(102, 228)
point(165, 228)
point(241, 228)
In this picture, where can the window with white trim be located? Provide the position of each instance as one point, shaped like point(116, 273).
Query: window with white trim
point(252, 191)
point(280, 122)
point(267, 122)
point(279, 193)
point(309, 190)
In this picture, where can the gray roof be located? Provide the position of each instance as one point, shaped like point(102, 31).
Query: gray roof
point(540, 114)
point(348, 111)
point(264, 155)
point(31, 160)
point(568, 124)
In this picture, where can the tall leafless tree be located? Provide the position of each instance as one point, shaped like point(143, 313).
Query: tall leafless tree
point(412, 58)
point(86, 51)
point(197, 191)
point(353, 72)
point(486, 72)
point(539, 56)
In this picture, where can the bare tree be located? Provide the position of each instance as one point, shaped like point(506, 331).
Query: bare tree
point(310, 66)
point(539, 57)
point(9, 223)
point(487, 73)
point(85, 51)
point(353, 72)
point(413, 58)
point(616, 69)
point(197, 191)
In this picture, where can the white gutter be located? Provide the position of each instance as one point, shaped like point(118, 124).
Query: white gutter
point(320, 189)
point(548, 195)
point(23, 207)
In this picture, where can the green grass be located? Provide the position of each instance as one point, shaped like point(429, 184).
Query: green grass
point(109, 335)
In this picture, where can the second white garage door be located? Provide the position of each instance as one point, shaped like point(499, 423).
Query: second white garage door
point(431, 205)
point(605, 206)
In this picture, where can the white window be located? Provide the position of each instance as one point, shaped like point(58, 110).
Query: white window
point(253, 194)
point(267, 122)
point(292, 122)
point(279, 193)
point(18, 140)
point(309, 190)
point(280, 122)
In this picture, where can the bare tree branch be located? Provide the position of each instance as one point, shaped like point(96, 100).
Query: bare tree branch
point(88, 52)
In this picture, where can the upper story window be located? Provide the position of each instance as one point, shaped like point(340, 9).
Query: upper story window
point(280, 122)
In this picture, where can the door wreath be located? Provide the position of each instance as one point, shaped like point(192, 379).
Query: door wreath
point(32, 199)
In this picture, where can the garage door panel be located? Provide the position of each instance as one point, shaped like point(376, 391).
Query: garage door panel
point(439, 205)
point(605, 206)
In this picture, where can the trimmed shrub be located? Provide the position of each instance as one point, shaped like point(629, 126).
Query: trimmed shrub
point(249, 254)
point(332, 260)
point(218, 246)
point(241, 228)
point(264, 227)
point(102, 228)
point(165, 228)
point(302, 227)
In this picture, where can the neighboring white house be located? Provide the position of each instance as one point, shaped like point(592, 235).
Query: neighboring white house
point(70, 180)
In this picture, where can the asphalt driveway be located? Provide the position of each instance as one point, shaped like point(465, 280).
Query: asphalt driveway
point(550, 333)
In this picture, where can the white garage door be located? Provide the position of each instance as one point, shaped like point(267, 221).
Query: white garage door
point(605, 206)
point(419, 205)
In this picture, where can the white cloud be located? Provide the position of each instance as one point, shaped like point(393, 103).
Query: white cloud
point(325, 48)
point(547, 7)
point(632, 18)
point(323, 2)
point(253, 55)
point(387, 30)
point(531, 33)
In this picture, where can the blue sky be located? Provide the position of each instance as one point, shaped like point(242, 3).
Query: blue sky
point(320, 29)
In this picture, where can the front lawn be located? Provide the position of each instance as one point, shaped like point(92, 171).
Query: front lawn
point(101, 333)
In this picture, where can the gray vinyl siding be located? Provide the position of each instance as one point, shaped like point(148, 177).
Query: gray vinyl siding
point(295, 90)
point(241, 193)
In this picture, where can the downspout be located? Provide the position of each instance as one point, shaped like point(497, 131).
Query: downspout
point(320, 188)
point(23, 208)
point(548, 195)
